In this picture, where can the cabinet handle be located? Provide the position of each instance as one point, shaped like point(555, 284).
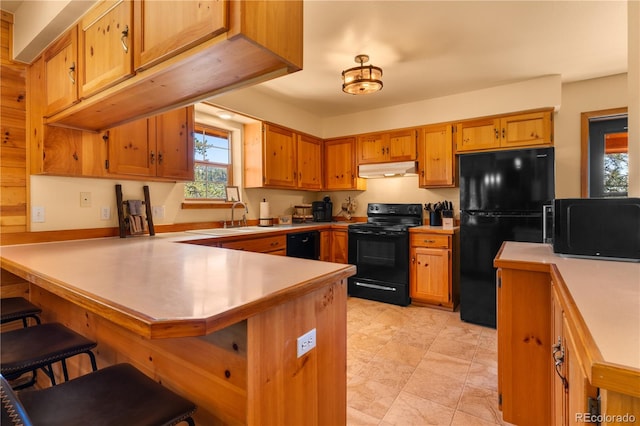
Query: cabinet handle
point(558, 360)
point(72, 70)
point(503, 133)
point(275, 243)
point(75, 156)
point(496, 133)
point(413, 260)
point(383, 150)
point(387, 150)
point(153, 157)
point(429, 241)
point(160, 157)
point(125, 36)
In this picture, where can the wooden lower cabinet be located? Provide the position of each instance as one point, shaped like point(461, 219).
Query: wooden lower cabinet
point(271, 245)
point(434, 271)
point(524, 346)
point(571, 388)
point(340, 246)
point(325, 245)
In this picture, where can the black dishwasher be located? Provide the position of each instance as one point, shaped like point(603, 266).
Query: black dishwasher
point(304, 244)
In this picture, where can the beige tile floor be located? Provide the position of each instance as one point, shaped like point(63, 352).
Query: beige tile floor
point(418, 366)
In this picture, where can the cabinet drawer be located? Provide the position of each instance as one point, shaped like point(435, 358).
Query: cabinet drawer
point(261, 245)
point(430, 240)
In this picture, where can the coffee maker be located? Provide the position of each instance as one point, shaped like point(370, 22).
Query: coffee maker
point(322, 210)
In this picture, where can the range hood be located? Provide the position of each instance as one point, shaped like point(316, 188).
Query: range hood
point(379, 170)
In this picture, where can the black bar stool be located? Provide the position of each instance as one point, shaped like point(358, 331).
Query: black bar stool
point(40, 346)
point(18, 308)
point(116, 395)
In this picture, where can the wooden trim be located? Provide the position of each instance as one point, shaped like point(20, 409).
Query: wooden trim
point(198, 205)
point(584, 144)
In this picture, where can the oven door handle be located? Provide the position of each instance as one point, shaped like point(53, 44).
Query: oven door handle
point(375, 286)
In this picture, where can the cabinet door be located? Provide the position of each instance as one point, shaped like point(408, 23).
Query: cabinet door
point(436, 159)
point(165, 28)
point(372, 148)
point(559, 409)
point(62, 151)
point(174, 144)
point(477, 135)
point(325, 245)
point(578, 383)
point(309, 160)
point(402, 145)
point(526, 129)
point(340, 166)
point(130, 149)
point(430, 275)
point(61, 72)
point(105, 46)
point(279, 157)
point(340, 246)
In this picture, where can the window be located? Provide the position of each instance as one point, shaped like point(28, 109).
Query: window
point(605, 153)
point(212, 164)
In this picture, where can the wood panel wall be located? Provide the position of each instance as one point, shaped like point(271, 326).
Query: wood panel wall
point(14, 187)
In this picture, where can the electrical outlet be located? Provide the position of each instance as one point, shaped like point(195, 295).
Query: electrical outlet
point(37, 214)
point(105, 213)
point(306, 342)
point(85, 199)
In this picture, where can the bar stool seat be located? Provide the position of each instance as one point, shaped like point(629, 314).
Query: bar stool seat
point(18, 308)
point(30, 348)
point(116, 395)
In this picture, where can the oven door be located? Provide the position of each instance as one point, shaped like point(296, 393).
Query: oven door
point(382, 261)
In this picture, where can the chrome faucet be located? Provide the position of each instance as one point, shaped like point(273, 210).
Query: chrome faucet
point(244, 215)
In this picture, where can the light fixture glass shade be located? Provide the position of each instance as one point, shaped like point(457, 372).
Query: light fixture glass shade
point(362, 79)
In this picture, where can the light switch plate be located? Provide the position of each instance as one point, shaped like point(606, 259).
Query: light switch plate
point(105, 213)
point(37, 214)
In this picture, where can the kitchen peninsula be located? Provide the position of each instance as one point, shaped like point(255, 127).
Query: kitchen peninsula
point(568, 337)
point(218, 326)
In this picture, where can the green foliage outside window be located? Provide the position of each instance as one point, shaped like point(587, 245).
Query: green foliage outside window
point(212, 170)
point(616, 174)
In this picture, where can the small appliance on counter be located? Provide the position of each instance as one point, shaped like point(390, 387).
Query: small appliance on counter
point(597, 228)
point(322, 210)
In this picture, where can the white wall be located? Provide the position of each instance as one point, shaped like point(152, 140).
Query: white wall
point(583, 96)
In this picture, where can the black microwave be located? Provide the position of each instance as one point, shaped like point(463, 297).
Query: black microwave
point(602, 228)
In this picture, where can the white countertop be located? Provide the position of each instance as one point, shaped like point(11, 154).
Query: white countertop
point(156, 279)
point(606, 293)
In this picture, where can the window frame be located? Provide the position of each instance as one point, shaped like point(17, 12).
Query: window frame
point(209, 130)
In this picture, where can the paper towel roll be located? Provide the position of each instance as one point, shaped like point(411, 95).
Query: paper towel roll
point(265, 212)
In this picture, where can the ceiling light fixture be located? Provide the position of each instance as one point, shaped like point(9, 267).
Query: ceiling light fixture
point(363, 79)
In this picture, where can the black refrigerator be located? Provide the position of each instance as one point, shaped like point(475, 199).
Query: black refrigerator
point(502, 194)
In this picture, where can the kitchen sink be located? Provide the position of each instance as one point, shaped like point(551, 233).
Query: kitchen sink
point(233, 231)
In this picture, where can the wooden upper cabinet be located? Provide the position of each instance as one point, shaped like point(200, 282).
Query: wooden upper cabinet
point(105, 46)
point(174, 142)
point(526, 129)
point(372, 148)
point(131, 150)
point(279, 156)
point(386, 147)
point(514, 130)
point(61, 72)
point(165, 28)
point(436, 159)
point(160, 146)
point(340, 169)
point(477, 135)
point(402, 145)
point(309, 162)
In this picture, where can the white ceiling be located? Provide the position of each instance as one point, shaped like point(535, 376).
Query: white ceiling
point(430, 49)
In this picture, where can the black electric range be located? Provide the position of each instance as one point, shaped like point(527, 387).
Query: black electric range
point(380, 250)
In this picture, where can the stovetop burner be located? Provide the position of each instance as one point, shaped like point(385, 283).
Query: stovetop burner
point(391, 217)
